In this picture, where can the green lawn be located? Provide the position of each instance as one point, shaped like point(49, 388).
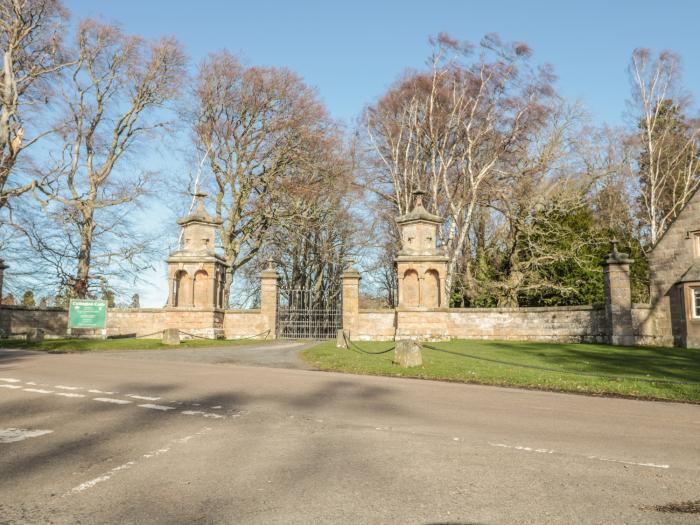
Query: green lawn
point(85, 345)
point(625, 366)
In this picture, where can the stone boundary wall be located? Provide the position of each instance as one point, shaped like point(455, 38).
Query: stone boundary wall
point(375, 325)
point(651, 326)
point(560, 323)
point(245, 323)
point(15, 320)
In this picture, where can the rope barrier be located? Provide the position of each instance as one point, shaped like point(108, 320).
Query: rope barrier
point(350, 345)
point(266, 332)
point(547, 369)
point(145, 335)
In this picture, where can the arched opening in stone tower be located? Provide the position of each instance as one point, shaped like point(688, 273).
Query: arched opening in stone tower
point(201, 289)
point(411, 295)
point(431, 289)
point(183, 289)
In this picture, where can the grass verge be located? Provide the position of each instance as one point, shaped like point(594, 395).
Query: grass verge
point(630, 371)
point(91, 345)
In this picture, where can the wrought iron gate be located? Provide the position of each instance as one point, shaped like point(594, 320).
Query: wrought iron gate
point(302, 314)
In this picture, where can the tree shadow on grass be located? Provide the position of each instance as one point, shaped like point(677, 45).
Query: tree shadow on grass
point(660, 363)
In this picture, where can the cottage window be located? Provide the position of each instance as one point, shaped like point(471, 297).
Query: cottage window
point(696, 244)
point(696, 303)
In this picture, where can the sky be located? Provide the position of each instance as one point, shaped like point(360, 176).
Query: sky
point(352, 51)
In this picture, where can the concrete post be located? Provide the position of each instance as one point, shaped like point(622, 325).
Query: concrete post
point(351, 299)
point(269, 281)
point(3, 267)
point(618, 297)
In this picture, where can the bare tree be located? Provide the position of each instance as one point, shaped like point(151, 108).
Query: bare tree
point(255, 125)
point(669, 164)
point(114, 98)
point(451, 129)
point(30, 32)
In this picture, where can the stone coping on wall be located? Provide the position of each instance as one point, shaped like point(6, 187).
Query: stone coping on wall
point(42, 308)
point(520, 309)
point(134, 310)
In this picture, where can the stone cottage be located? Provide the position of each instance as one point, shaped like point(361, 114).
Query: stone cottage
point(673, 315)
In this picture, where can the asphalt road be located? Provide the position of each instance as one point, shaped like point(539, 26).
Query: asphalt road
point(108, 438)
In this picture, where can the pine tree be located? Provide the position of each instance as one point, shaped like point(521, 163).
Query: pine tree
point(135, 301)
point(28, 298)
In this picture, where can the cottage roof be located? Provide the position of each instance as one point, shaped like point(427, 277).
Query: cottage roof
point(692, 274)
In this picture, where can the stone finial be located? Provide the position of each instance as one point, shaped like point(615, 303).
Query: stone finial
point(615, 256)
point(418, 198)
point(270, 271)
point(613, 246)
point(200, 197)
point(350, 270)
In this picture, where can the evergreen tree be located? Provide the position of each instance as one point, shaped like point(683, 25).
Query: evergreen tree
point(108, 295)
point(28, 298)
point(135, 301)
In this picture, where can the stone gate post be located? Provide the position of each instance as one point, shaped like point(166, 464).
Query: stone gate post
point(351, 299)
point(269, 281)
point(618, 297)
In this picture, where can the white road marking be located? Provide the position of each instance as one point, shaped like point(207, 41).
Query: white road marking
point(63, 387)
point(652, 465)
point(193, 412)
point(10, 380)
point(69, 394)
point(526, 449)
point(112, 400)
point(217, 407)
point(11, 435)
point(10, 386)
point(38, 390)
point(157, 407)
point(145, 398)
point(202, 413)
point(110, 473)
point(93, 391)
point(596, 458)
point(31, 383)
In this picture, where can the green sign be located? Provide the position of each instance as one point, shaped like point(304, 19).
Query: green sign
point(87, 313)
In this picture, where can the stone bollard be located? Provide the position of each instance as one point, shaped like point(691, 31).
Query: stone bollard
point(407, 353)
point(171, 336)
point(340, 339)
point(35, 335)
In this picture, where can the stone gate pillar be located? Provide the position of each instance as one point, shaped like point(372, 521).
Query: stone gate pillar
point(618, 297)
point(269, 282)
point(351, 299)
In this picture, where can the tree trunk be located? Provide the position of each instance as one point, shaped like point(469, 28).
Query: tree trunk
point(82, 280)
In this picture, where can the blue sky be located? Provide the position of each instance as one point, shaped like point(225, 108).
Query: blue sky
point(353, 50)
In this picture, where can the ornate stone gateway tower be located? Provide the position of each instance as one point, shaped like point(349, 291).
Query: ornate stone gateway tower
point(421, 268)
point(420, 265)
point(196, 272)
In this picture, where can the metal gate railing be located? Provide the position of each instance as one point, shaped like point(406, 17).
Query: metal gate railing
point(303, 314)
